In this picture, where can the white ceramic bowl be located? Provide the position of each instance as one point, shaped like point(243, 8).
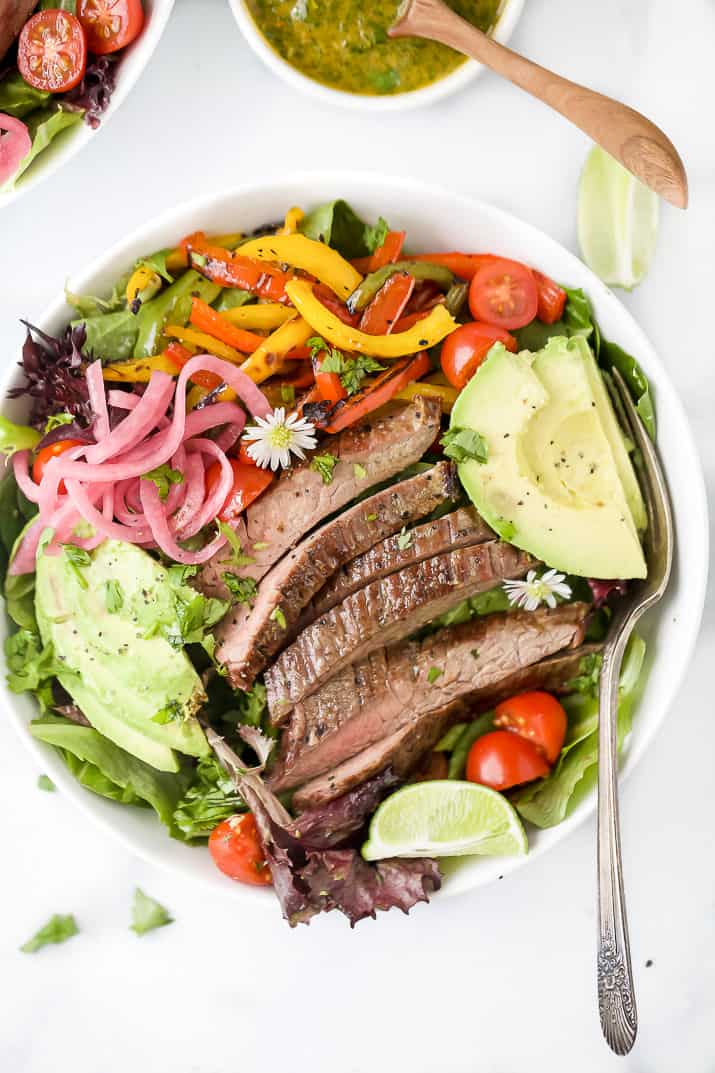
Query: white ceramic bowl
point(434, 219)
point(397, 102)
point(66, 145)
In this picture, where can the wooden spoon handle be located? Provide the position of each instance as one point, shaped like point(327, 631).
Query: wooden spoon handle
point(627, 135)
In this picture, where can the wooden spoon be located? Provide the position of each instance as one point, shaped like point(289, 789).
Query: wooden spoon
point(638, 144)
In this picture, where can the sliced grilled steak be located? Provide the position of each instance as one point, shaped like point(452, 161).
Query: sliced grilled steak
point(13, 16)
point(391, 689)
point(301, 573)
point(460, 529)
point(384, 612)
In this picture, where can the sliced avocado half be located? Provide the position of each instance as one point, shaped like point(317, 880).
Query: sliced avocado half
point(558, 481)
point(133, 685)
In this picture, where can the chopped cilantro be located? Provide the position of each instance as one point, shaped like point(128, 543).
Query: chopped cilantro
point(359, 471)
point(278, 616)
point(237, 556)
point(56, 420)
point(163, 477)
point(433, 674)
point(324, 465)
point(77, 558)
point(45, 783)
point(148, 914)
point(113, 596)
point(352, 371)
point(242, 589)
point(58, 929)
point(404, 539)
point(169, 714)
point(463, 444)
point(287, 394)
point(371, 517)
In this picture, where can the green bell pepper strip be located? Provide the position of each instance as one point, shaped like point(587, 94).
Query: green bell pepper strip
point(366, 291)
point(455, 297)
point(174, 302)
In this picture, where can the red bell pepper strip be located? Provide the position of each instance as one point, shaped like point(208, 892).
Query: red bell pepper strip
point(180, 355)
point(232, 270)
point(464, 265)
point(386, 254)
point(551, 297)
point(409, 319)
point(387, 306)
point(338, 308)
point(380, 391)
point(211, 322)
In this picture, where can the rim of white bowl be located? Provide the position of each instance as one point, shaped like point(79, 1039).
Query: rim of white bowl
point(506, 22)
point(371, 185)
point(73, 140)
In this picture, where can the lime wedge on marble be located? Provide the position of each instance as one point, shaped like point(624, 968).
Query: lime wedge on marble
point(617, 221)
point(444, 818)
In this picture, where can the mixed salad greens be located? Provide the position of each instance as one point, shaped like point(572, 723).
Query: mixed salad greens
point(58, 63)
point(137, 544)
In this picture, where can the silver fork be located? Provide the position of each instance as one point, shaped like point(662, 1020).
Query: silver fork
point(616, 997)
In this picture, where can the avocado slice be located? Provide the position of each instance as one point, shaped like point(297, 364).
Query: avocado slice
point(133, 685)
point(558, 481)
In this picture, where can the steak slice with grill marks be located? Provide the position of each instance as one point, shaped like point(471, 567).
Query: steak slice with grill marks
point(303, 571)
point(390, 690)
point(384, 612)
point(460, 529)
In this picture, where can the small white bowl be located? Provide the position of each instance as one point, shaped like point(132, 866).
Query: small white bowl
point(395, 102)
point(67, 144)
point(435, 219)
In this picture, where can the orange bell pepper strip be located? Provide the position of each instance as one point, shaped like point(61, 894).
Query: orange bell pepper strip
point(208, 320)
point(381, 390)
point(387, 306)
point(234, 270)
point(204, 341)
point(180, 355)
point(386, 254)
point(464, 265)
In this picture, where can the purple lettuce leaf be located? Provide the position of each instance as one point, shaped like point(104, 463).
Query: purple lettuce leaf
point(94, 92)
point(331, 825)
point(603, 590)
point(54, 379)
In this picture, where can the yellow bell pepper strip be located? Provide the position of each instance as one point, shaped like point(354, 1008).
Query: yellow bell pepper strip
point(178, 258)
point(292, 221)
point(447, 395)
point(143, 284)
point(429, 331)
point(139, 372)
point(305, 253)
point(269, 359)
point(261, 316)
point(204, 342)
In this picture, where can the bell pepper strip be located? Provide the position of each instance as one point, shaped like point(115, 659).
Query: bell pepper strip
point(229, 269)
point(208, 320)
point(551, 298)
point(388, 305)
point(446, 394)
point(292, 221)
point(180, 355)
point(409, 319)
point(330, 386)
point(383, 388)
point(204, 342)
point(369, 287)
point(263, 316)
point(143, 284)
point(178, 258)
point(335, 306)
point(433, 329)
point(464, 265)
point(269, 359)
point(310, 256)
point(139, 372)
point(455, 298)
point(386, 254)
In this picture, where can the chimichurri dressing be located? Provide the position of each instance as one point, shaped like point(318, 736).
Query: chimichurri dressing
point(344, 43)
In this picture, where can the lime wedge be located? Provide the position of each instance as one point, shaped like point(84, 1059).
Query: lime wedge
point(617, 221)
point(444, 818)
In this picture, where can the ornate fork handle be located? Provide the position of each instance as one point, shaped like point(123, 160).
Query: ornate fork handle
point(616, 996)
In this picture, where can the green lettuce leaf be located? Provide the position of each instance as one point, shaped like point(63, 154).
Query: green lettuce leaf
point(148, 914)
point(548, 801)
point(172, 305)
point(210, 798)
point(101, 766)
point(44, 125)
point(31, 665)
point(110, 336)
point(15, 512)
point(17, 98)
point(612, 356)
point(340, 227)
point(156, 262)
point(484, 603)
point(89, 305)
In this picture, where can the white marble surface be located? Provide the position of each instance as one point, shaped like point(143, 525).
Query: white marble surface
point(498, 981)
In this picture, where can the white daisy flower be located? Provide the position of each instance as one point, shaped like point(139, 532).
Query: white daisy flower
point(272, 439)
point(534, 590)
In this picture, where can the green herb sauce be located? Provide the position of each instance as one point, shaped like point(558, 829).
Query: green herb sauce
point(344, 43)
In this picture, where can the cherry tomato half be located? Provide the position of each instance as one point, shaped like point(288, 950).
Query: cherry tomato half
point(551, 298)
point(248, 483)
point(537, 717)
point(504, 293)
point(237, 852)
point(53, 450)
point(52, 51)
point(501, 759)
point(110, 24)
point(466, 348)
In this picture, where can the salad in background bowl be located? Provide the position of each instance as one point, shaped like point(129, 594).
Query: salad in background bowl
point(211, 621)
point(64, 69)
